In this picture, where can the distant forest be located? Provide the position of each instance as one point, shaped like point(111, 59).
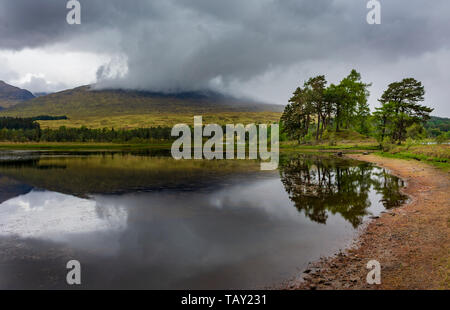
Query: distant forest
point(437, 125)
point(28, 130)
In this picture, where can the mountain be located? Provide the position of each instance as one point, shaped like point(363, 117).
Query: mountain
point(85, 101)
point(11, 95)
point(41, 94)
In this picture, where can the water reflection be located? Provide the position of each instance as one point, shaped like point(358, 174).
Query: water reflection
point(319, 187)
point(112, 173)
point(154, 223)
point(53, 216)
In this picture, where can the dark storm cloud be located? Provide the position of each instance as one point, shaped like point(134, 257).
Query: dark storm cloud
point(174, 45)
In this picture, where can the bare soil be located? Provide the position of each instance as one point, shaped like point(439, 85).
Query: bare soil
point(412, 242)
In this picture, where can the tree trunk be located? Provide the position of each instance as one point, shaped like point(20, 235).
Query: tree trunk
point(318, 127)
point(324, 122)
point(383, 131)
point(308, 120)
point(338, 119)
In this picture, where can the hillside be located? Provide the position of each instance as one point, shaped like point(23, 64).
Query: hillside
point(127, 108)
point(438, 123)
point(11, 95)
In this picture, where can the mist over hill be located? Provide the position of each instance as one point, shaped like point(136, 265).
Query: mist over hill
point(85, 101)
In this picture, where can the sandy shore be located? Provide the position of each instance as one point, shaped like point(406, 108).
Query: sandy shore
point(412, 243)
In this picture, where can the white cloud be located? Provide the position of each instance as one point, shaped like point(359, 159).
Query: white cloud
point(431, 68)
point(47, 70)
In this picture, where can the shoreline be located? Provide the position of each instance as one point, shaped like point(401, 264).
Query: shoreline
point(411, 242)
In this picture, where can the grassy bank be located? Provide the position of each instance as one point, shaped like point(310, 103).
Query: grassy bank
point(343, 140)
point(324, 147)
point(118, 146)
point(437, 155)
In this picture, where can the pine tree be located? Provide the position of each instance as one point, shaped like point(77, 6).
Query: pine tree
point(401, 109)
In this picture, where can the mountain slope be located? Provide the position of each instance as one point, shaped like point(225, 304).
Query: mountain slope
point(85, 102)
point(11, 95)
point(438, 123)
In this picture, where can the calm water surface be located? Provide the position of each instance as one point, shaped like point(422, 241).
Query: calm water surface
point(143, 220)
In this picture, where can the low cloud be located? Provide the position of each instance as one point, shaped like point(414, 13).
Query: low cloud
point(6, 71)
point(175, 45)
point(38, 84)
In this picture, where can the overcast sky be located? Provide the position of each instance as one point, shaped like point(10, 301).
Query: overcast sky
point(258, 48)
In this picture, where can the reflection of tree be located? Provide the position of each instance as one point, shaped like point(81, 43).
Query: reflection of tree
point(389, 187)
point(82, 174)
point(318, 186)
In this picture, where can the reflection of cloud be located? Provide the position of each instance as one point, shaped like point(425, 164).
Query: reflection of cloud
point(266, 196)
point(52, 215)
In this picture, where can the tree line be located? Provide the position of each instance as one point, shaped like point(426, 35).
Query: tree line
point(27, 130)
point(437, 126)
point(316, 108)
point(18, 123)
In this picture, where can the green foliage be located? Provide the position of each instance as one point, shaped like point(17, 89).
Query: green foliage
point(437, 125)
point(443, 138)
point(438, 155)
point(316, 108)
point(331, 137)
point(387, 146)
point(440, 124)
point(400, 110)
point(283, 135)
point(416, 131)
point(18, 123)
point(409, 142)
point(355, 106)
point(83, 134)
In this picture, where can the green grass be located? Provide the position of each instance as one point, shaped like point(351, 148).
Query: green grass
point(118, 146)
point(362, 147)
point(284, 146)
point(436, 155)
point(342, 140)
point(131, 121)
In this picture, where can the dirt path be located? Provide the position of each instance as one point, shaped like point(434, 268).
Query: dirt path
point(412, 243)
